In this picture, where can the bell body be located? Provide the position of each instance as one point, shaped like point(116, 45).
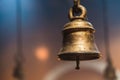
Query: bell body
point(78, 41)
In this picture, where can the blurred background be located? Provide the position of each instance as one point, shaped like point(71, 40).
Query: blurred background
point(42, 22)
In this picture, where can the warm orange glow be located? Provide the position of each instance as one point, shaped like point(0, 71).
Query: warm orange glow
point(42, 53)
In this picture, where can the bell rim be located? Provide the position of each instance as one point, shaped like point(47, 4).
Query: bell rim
point(82, 56)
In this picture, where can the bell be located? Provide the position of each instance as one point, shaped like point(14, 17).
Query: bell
point(78, 39)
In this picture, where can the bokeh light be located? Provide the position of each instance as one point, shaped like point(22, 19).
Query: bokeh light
point(42, 53)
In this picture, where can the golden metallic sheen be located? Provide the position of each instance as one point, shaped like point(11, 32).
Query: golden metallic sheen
point(78, 39)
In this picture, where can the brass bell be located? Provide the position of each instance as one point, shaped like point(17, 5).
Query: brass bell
point(78, 39)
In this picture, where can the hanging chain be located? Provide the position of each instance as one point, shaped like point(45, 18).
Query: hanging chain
point(18, 73)
point(77, 9)
point(76, 2)
point(76, 6)
point(110, 73)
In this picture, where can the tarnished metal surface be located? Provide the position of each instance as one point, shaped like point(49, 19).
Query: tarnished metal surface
point(78, 37)
point(78, 40)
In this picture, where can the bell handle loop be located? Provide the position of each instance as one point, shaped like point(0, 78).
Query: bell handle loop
point(80, 8)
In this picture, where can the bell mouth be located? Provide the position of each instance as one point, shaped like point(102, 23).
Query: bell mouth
point(82, 56)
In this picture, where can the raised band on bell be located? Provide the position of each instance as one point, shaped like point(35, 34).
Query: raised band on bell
point(78, 38)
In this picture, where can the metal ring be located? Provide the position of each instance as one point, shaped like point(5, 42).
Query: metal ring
point(83, 13)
